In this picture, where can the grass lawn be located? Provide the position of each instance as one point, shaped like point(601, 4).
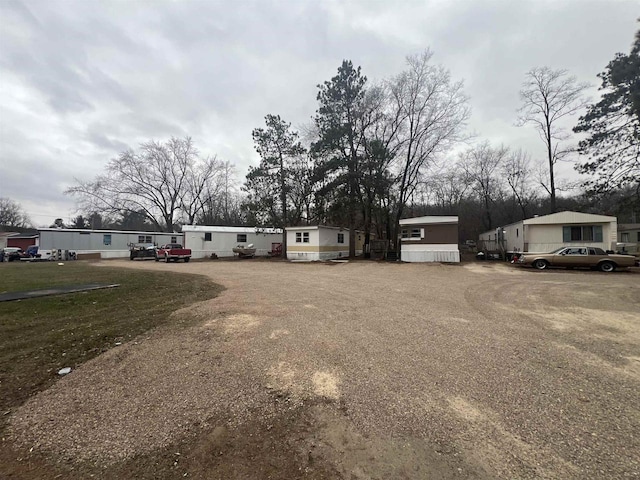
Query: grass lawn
point(39, 336)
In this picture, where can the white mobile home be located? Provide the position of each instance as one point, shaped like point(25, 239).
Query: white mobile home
point(313, 243)
point(106, 243)
point(429, 239)
point(548, 232)
point(203, 240)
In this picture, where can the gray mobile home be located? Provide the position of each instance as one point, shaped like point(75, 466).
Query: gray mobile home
point(108, 243)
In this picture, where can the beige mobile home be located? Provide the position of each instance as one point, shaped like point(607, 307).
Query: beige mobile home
point(315, 243)
point(548, 232)
point(429, 239)
point(203, 240)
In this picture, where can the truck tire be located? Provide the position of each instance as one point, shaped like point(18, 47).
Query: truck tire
point(186, 259)
point(166, 258)
point(157, 258)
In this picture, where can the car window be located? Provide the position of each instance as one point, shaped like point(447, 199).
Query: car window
point(575, 251)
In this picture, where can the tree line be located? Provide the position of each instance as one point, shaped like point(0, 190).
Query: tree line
point(377, 151)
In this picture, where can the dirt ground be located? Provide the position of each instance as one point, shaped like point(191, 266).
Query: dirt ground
point(359, 370)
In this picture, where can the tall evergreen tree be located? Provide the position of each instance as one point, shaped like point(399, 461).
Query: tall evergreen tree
point(278, 148)
point(341, 142)
point(613, 147)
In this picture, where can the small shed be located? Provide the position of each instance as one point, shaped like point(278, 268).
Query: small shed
point(106, 243)
point(545, 233)
point(203, 240)
point(23, 240)
point(320, 242)
point(429, 239)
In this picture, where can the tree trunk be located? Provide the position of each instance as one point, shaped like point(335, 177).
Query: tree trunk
point(283, 199)
point(552, 182)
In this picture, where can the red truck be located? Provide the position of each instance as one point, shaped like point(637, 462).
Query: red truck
point(173, 251)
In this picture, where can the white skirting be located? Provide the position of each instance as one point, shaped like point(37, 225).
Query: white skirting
point(316, 256)
point(449, 256)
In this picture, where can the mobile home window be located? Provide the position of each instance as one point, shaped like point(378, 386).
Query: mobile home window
point(625, 237)
point(415, 233)
point(241, 237)
point(207, 236)
point(173, 240)
point(298, 237)
point(341, 238)
point(305, 237)
point(583, 233)
point(405, 233)
point(144, 239)
point(106, 239)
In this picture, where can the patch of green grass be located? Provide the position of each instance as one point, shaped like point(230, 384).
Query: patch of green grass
point(39, 336)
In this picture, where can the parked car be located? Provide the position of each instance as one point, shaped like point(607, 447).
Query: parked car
point(578, 257)
point(10, 252)
point(173, 251)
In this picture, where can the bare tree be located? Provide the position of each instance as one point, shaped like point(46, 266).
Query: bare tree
point(447, 188)
point(202, 181)
point(427, 115)
point(481, 165)
point(12, 214)
point(547, 97)
point(153, 181)
point(518, 173)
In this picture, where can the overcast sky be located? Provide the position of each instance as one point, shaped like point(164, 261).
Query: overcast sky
point(81, 81)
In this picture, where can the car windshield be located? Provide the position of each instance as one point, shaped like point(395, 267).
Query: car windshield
point(558, 250)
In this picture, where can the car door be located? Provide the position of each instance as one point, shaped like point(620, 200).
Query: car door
point(575, 257)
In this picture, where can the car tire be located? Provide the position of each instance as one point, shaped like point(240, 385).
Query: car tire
point(186, 259)
point(607, 267)
point(541, 264)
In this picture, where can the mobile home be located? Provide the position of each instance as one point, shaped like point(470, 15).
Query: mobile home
point(314, 243)
point(105, 243)
point(429, 239)
point(549, 232)
point(203, 240)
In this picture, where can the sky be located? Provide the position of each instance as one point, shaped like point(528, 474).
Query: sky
point(82, 81)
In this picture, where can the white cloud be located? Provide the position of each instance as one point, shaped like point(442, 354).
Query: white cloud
point(82, 81)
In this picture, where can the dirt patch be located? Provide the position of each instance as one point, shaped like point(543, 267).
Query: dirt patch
point(325, 384)
point(402, 371)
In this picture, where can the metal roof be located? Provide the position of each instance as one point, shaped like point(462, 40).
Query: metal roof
point(569, 217)
point(86, 230)
point(430, 219)
point(225, 229)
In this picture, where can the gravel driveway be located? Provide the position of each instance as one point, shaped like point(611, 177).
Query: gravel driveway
point(403, 371)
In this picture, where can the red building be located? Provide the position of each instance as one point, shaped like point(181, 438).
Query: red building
point(22, 240)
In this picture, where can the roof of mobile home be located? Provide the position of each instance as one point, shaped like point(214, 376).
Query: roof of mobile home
point(568, 217)
point(224, 229)
point(435, 219)
point(86, 230)
point(560, 218)
point(315, 227)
